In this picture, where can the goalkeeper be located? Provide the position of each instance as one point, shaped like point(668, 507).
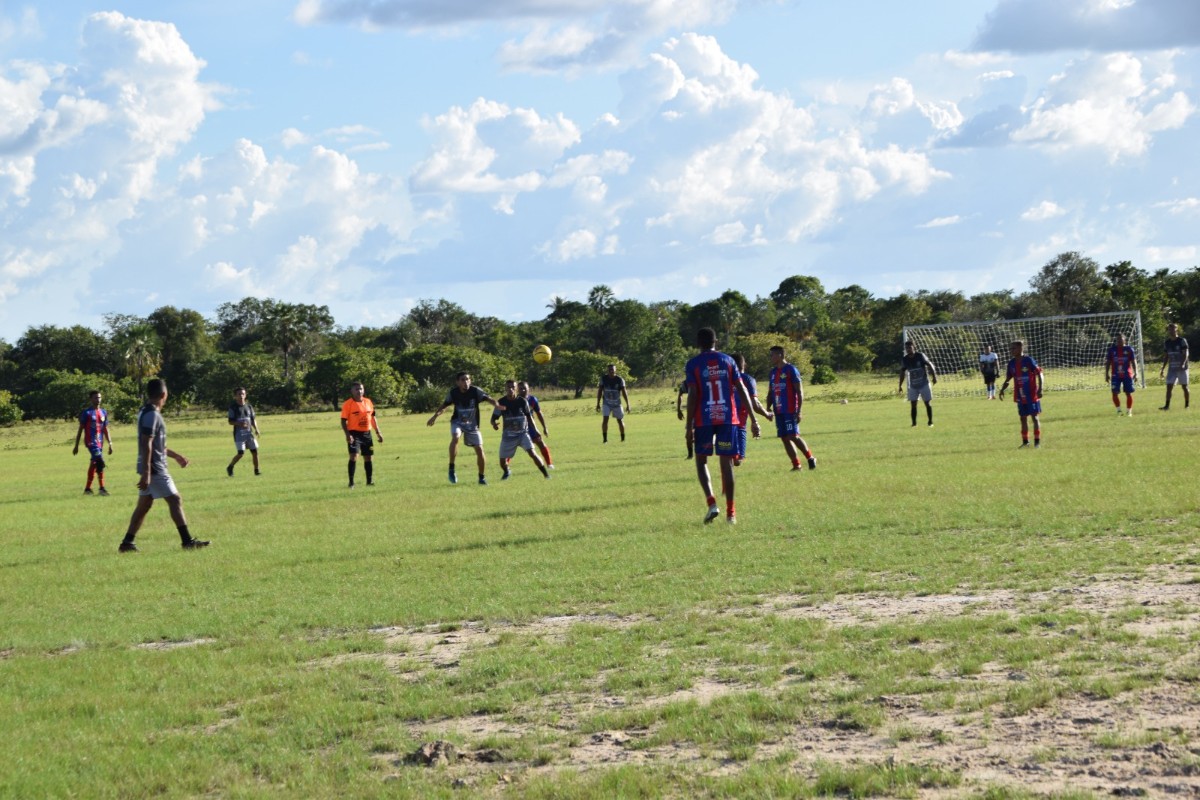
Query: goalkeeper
point(920, 371)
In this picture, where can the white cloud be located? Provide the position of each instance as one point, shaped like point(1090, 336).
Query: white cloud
point(1026, 26)
point(1183, 206)
point(941, 222)
point(1106, 103)
point(556, 35)
point(1182, 255)
point(1043, 211)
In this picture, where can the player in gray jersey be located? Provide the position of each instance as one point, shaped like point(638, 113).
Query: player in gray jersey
point(154, 481)
point(612, 390)
point(920, 371)
point(1175, 364)
point(245, 429)
point(518, 419)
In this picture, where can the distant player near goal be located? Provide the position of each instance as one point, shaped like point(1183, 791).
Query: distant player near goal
point(920, 371)
point(612, 389)
point(1026, 376)
point(1175, 362)
point(1121, 367)
point(989, 365)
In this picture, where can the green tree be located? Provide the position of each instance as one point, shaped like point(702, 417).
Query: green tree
point(186, 341)
point(1070, 284)
point(332, 372)
point(580, 370)
point(141, 353)
point(52, 347)
point(62, 394)
point(437, 364)
point(219, 374)
point(296, 330)
point(801, 305)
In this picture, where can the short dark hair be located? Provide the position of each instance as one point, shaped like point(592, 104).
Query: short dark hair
point(778, 348)
point(706, 337)
point(93, 392)
point(156, 388)
point(462, 375)
point(237, 389)
point(740, 360)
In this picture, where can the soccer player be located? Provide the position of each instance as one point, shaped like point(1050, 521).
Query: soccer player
point(93, 421)
point(1121, 365)
point(245, 429)
point(1027, 391)
point(612, 389)
point(539, 439)
point(713, 382)
point(920, 372)
point(465, 423)
point(154, 481)
point(518, 419)
point(785, 404)
point(358, 419)
point(1175, 362)
point(687, 434)
point(746, 413)
point(989, 365)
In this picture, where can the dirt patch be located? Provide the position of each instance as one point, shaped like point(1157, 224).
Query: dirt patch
point(173, 645)
point(1143, 742)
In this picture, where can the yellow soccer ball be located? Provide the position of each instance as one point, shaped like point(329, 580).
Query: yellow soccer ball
point(542, 354)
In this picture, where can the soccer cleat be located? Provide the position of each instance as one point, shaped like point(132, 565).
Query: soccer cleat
point(370, 483)
point(931, 424)
point(88, 491)
point(1129, 413)
point(1037, 445)
point(351, 486)
point(103, 492)
point(812, 462)
point(1118, 412)
point(453, 477)
point(127, 547)
point(712, 513)
point(482, 481)
point(731, 520)
point(194, 544)
point(1023, 444)
point(507, 474)
point(795, 467)
point(229, 470)
point(547, 476)
point(549, 466)
point(1164, 408)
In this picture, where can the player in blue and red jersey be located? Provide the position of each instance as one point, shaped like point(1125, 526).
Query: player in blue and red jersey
point(713, 380)
point(1121, 368)
point(785, 400)
point(93, 423)
point(1026, 377)
point(745, 413)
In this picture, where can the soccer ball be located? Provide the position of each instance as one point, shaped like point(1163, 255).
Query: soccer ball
point(542, 354)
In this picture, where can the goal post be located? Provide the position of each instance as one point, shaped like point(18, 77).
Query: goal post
point(1071, 350)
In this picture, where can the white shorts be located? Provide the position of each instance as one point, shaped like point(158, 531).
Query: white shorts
point(509, 444)
point(471, 435)
point(616, 412)
point(924, 393)
point(1177, 376)
point(244, 440)
point(161, 487)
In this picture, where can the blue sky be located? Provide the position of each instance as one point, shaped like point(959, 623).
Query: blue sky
point(366, 154)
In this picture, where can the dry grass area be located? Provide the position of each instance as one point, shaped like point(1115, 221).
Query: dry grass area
point(1138, 743)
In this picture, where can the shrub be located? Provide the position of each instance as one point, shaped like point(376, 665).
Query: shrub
point(10, 412)
point(823, 374)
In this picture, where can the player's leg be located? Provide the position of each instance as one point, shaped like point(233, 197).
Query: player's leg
point(1116, 394)
point(727, 485)
point(481, 462)
point(1024, 430)
point(803, 449)
point(100, 465)
point(913, 412)
point(703, 441)
point(1129, 390)
point(369, 468)
point(352, 464)
point(140, 510)
point(254, 457)
point(454, 436)
point(1037, 430)
point(541, 466)
point(621, 427)
point(929, 413)
point(175, 504)
point(1167, 402)
point(604, 426)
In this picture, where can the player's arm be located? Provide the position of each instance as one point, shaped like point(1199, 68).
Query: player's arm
point(375, 425)
point(902, 371)
point(145, 441)
point(438, 413)
point(78, 436)
point(1108, 365)
point(346, 428)
point(108, 438)
point(254, 424)
point(692, 402)
point(679, 403)
point(757, 406)
point(625, 394)
point(799, 401)
point(179, 457)
point(545, 430)
point(599, 394)
point(932, 369)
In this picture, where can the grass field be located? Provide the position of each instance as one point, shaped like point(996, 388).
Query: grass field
point(931, 613)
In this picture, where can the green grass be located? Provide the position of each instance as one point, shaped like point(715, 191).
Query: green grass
point(284, 660)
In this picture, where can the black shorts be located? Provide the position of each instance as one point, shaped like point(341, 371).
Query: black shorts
point(360, 443)
point(989, 378)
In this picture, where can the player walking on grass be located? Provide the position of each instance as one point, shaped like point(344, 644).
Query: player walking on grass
point(539, 439)
point(1121, 366)
point(612, 389)
point(1175, 362)
point(785, 403)
point(465, 423)
point(920, 371)
point(93, 423)
point(154, 480)
point(518, 420)
point(713, 381)
point(989, 365)
point(746, 413)
point(245, 429)
point(1026, 376)
point(358, 419)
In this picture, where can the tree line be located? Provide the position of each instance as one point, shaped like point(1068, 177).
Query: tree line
point(292, 356)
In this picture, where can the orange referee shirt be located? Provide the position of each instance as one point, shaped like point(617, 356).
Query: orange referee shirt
point(358, 413)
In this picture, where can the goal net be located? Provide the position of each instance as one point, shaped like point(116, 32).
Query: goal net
point(1070, 350)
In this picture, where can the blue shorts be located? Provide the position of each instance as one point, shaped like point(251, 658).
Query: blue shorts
point(1122, 385)
point(97, 452)
point(786, 426)
point(741, 440)
point(718, 439)
point(1029, 409)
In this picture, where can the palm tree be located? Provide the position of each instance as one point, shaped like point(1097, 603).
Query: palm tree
point(142, 353)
